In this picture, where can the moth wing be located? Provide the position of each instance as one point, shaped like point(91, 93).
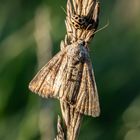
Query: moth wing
point(87, 100)
point(43, 82)
point(70, 82)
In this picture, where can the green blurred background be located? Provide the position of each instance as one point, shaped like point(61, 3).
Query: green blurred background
point(30, 33)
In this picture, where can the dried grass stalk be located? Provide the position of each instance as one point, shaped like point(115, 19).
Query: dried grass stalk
point(68, 76)
point(90, 9)
point(88, 12)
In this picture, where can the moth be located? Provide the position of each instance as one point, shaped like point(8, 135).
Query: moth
point(69, 77)
point(82, 22)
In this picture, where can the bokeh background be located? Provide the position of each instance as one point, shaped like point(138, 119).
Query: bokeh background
point(30, 33)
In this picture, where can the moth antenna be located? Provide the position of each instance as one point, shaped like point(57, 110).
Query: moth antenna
point(105, 26)
point(64, 10)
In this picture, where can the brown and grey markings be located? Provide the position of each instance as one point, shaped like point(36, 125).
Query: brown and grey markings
point(69, 76)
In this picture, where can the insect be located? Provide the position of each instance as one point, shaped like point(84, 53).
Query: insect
point(82, 22)
point(69, 77)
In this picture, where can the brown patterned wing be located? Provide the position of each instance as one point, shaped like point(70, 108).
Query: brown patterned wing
point(87, 100)
point(70, 81)
point(43, 82)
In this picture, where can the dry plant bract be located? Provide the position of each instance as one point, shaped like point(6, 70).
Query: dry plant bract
point(82, 19)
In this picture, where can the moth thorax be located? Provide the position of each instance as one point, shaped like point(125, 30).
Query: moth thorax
point(81, 42)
